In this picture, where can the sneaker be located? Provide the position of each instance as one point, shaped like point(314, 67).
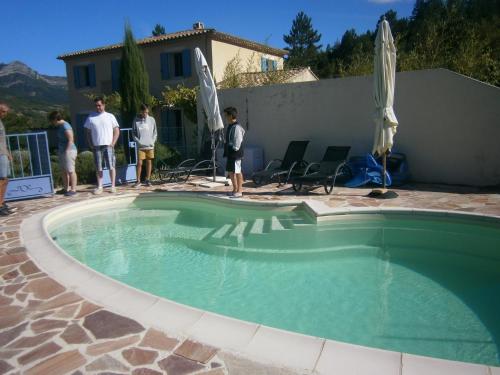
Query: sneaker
point(8, 208)
point(4, 212)
point(147, 183)
point(137, 184)
point(61, 191)
point(70, 193)
point(112, 189)
point(230, 194)
point(237, 195)
point(97, 191)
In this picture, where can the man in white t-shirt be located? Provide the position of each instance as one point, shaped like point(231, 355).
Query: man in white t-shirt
point(102, 132)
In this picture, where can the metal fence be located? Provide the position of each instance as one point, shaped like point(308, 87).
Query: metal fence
point(30, 169)
point(126, 170)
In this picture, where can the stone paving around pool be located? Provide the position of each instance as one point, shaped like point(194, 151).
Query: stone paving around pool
point(46, 328)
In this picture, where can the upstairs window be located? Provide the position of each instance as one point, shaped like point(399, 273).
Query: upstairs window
point(176, 64)
point(84, 76)
point(115, 75)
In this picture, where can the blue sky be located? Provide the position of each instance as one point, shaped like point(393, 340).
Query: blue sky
point(36, 32)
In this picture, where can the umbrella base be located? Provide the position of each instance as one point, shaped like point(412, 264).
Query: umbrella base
point(383, 194)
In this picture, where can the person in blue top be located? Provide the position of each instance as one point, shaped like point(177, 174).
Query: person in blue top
point(67, 152)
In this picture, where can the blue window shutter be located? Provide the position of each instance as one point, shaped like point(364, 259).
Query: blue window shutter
point(91, 68)
point(76, 76)
point(164, 58)
point(115, 75)
point(263, 64)
point(275, 65)
point(186, 62)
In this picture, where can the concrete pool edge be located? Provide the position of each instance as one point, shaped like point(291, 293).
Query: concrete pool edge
point(250, 340)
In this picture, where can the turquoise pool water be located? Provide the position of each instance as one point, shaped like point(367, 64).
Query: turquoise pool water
point(416, 284)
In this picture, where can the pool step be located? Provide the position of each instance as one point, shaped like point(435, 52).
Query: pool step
point(239, 229)
point(257, 227)
point(222, 231)
point(228, 233)
point(276, 224)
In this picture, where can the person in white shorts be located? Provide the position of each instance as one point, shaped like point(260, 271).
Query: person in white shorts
point(66, 151)
point(233, 151)
point(102, 131)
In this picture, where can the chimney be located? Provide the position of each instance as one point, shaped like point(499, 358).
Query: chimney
point(198, 26)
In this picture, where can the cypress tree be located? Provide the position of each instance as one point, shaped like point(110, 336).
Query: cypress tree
point(134, 81)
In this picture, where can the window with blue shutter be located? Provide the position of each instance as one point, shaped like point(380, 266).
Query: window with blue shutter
point(115, 75)
point(76, 76)
point(84, 76)
point(263, 64)
point(178, 66)
point(275, 65)
point(91, 75)
point(186, 62)
point(164, 59)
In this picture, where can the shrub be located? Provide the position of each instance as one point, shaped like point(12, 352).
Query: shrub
point(166, 155)
point(85, 168)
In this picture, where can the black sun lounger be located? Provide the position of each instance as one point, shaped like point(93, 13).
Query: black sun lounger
point(326, 171)
point(283, 169)
point(184, 170)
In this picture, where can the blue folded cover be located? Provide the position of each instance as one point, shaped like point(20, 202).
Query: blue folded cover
point(366, 170)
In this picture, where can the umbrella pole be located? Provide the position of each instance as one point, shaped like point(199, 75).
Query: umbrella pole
point(213, 153)
point(383, 193)
point(384, 165)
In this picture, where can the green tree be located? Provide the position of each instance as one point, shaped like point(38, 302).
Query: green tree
point(158, 30)
point(302, 42)
point(134, 81)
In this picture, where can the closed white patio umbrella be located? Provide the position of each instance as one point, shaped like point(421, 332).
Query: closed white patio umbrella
point(208, 94)
point(384, 76)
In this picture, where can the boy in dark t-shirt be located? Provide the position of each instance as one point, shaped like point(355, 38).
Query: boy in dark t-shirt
point(233, 151)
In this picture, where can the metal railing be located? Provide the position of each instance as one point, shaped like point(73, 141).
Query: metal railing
point(30, 155)
point(30, 169)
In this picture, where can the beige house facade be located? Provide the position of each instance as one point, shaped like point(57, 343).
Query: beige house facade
point(169, 61)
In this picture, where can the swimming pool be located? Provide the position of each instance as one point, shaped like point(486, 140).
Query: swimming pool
point(414, 283)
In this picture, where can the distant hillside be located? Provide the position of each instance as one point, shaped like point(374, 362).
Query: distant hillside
point(24, 86)
point(30, 95)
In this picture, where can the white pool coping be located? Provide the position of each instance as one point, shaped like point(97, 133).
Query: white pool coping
point(250, 340)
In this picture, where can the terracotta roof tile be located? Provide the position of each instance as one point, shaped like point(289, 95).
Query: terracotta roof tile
point(223, 37)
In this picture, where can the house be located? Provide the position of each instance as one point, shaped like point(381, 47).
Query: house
point(169, 60)
point(249, 79)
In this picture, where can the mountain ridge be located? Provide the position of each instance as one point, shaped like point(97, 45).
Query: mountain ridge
point(26, 88)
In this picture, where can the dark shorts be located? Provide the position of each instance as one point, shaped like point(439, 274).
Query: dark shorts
point(104, 155)
point(233, 165)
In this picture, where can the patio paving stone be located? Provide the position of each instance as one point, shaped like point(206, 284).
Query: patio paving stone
point(59, 364)
point(158, 340)
point(137, 357)
point(75, 334)
point(145, 371)
point(106, 325)
point(176, 365)
point(196, 351)
point(44, 325)
point(109, 346)
point(106, 362)
point(42, 351)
